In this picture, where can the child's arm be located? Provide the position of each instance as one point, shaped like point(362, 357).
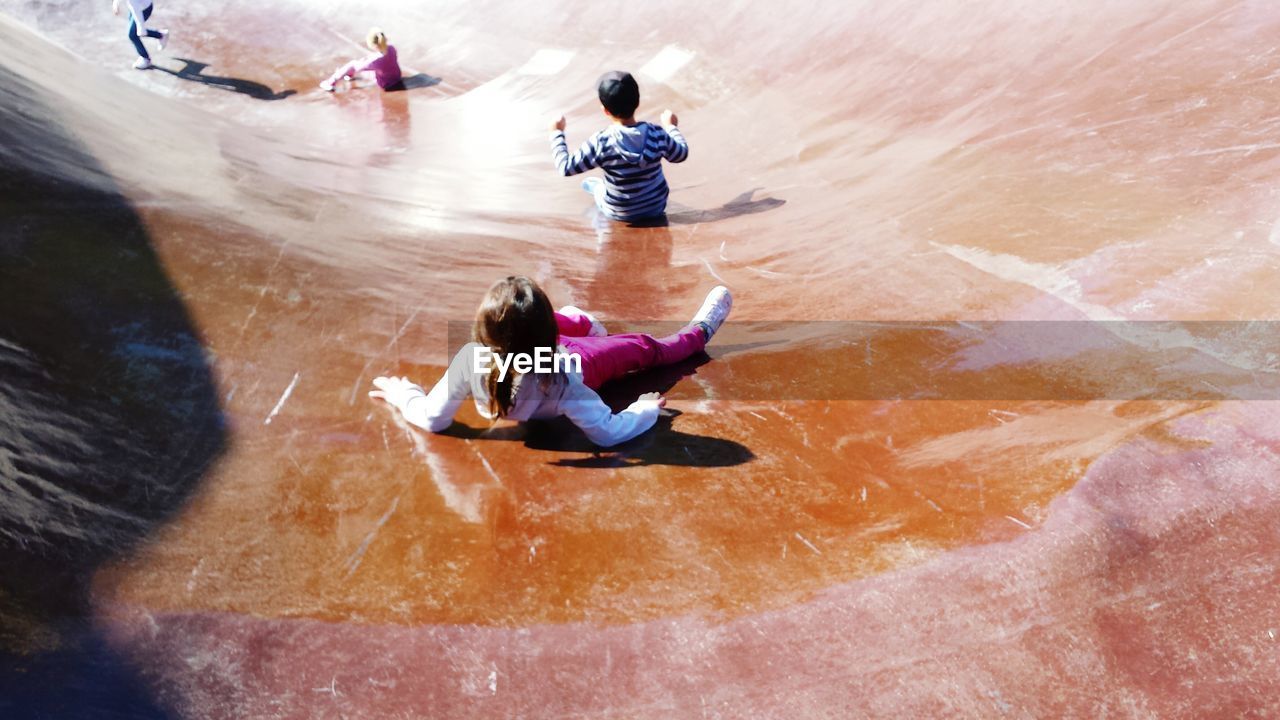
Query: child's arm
point(587, 157)
point(675, 149)
point(602, 426)
point(371, 63)
point(433, 410)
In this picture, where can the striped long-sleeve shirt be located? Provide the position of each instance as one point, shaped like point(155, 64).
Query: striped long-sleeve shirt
point(631, 157)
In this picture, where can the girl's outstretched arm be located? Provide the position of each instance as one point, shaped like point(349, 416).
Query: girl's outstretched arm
point(433, 410)
point(602, 426)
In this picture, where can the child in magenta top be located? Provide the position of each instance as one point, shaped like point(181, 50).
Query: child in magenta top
point(382, 63)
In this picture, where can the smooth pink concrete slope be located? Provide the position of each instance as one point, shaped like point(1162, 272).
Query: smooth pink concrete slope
point(1147, 592)
point(775, 549)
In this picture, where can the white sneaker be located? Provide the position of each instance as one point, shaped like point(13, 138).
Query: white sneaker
point(164, 39)
point(141, 63)
point(326, 86)
point(597, 330)
point(714, 310)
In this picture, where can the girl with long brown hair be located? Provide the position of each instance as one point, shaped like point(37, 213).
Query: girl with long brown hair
point(516, 320)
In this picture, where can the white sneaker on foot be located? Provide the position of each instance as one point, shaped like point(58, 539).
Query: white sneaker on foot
point(164, 39)
point(326, 86)
point(714, 310)
point(597, 330)
point(141, 63)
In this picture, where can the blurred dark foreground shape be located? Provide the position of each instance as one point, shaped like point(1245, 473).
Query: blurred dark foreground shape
point(109, 415)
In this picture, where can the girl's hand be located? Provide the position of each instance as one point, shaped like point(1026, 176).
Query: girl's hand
point(115, 7)
point(558, 124)
point(655, 397)
point(396, 390)
point(669, 119)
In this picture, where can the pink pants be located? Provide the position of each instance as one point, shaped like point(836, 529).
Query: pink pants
point(609, 358)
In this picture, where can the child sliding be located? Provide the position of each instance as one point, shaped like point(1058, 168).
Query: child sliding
point(382, 63)
point(629, 152)
point(516, 320)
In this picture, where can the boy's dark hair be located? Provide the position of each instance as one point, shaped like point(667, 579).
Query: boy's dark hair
point(619, 94)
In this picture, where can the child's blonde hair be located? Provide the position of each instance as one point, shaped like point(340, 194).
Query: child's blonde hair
point(376, 40)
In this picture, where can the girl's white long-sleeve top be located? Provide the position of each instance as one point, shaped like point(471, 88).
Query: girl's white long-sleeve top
point(535, 397)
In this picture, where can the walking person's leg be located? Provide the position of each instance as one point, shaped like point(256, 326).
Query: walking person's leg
point(137, 41)
point(146, 15)
point(144, 58)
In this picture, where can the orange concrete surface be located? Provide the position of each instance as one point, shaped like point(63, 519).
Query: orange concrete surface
point(205, 264)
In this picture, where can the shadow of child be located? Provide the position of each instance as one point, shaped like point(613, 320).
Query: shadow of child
point(193, 70)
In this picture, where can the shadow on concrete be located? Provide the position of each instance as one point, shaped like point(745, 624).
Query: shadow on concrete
point(744, 204)
point(82, 679)
point(109, 415)
point(193, 70)
point(414, 82)
point(663, 445)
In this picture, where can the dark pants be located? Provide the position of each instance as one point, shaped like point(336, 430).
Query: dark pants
point(133, 32)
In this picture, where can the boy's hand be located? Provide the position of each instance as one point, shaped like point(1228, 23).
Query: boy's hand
point(657, 397)
point(115, 7)
point(669, 119)
point(558, 124)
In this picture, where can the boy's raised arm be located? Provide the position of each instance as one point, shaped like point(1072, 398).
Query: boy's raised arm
point(676, 149)
point(587, 157)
